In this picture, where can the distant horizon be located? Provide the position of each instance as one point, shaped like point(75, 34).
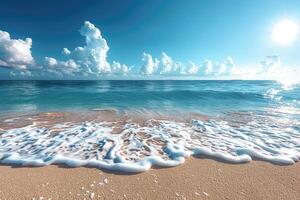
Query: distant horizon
point(149, 79)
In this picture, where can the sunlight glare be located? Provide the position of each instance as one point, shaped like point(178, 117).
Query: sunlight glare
point(285, 32)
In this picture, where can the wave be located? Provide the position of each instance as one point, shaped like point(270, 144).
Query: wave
point(135, 147)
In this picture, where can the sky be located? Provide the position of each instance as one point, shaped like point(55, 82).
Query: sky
point(150, 39)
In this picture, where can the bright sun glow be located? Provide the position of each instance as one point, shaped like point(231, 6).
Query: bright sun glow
point(285, 32)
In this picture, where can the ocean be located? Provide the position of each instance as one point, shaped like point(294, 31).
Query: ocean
point(204, 97)
point(233, 120)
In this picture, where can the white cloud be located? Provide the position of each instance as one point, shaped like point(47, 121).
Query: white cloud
point(169, 67)
point(51, 62)
point(271, 68)
point(118, 68)
point(93, 55)
point(229, 62)
point(164, 66)
point(90, 59)
point(271, 64)
point(222, 69)
point(208, 66)
point(69, 67)
point(15, 53)
point(149, 65)
point(21, 73)
point(66, 51)
point(225, 67)
point(192, 69)
point(166, 63)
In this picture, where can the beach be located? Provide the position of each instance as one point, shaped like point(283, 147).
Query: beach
point(197, 178)
point(150, 100)
point(175, 140)
point(38, 171)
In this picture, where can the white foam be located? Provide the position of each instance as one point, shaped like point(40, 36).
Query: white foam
point(273, 94)
point(158, 142)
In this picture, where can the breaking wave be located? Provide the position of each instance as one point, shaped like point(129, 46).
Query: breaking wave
point(134, 147)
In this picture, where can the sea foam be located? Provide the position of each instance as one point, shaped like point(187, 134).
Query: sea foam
point(137, 147)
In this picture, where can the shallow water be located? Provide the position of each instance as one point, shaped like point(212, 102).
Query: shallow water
point(204, 97)
point(148, 123)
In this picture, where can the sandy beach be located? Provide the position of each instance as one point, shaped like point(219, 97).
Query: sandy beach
point(195, 179)
point(150, 100)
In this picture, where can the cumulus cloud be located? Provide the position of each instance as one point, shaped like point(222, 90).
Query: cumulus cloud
point(163, 66)
point(87, 60)
point(224, 68)
point(192, 69)
point(15, 53)
point(66, 51)
point(93, 55)
point(170, 67)
point(150, 65)
point(208, 67)
point(167, 64)
point(69, 67)
point(118, 68)
point(83, 60)
point(22, 73)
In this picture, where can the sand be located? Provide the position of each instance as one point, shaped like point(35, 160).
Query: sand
point(195, 179)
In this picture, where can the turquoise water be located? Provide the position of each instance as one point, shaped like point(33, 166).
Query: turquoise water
point(246, 120)
point(205, 97)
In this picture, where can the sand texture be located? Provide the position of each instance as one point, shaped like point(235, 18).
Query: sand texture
point(195, 179)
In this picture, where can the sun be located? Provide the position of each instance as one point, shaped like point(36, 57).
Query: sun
point(285, 32)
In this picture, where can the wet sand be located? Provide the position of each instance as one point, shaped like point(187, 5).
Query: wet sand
point(195, 179)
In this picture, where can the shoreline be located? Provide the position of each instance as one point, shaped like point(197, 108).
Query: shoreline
point(204, 177)
point(134, 142)
point(197, 178)
point(17, 120)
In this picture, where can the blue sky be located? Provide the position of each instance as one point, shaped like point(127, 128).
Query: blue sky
point(193, 31)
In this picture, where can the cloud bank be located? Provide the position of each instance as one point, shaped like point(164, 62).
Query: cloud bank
point(165, 65)
point(90, 62)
